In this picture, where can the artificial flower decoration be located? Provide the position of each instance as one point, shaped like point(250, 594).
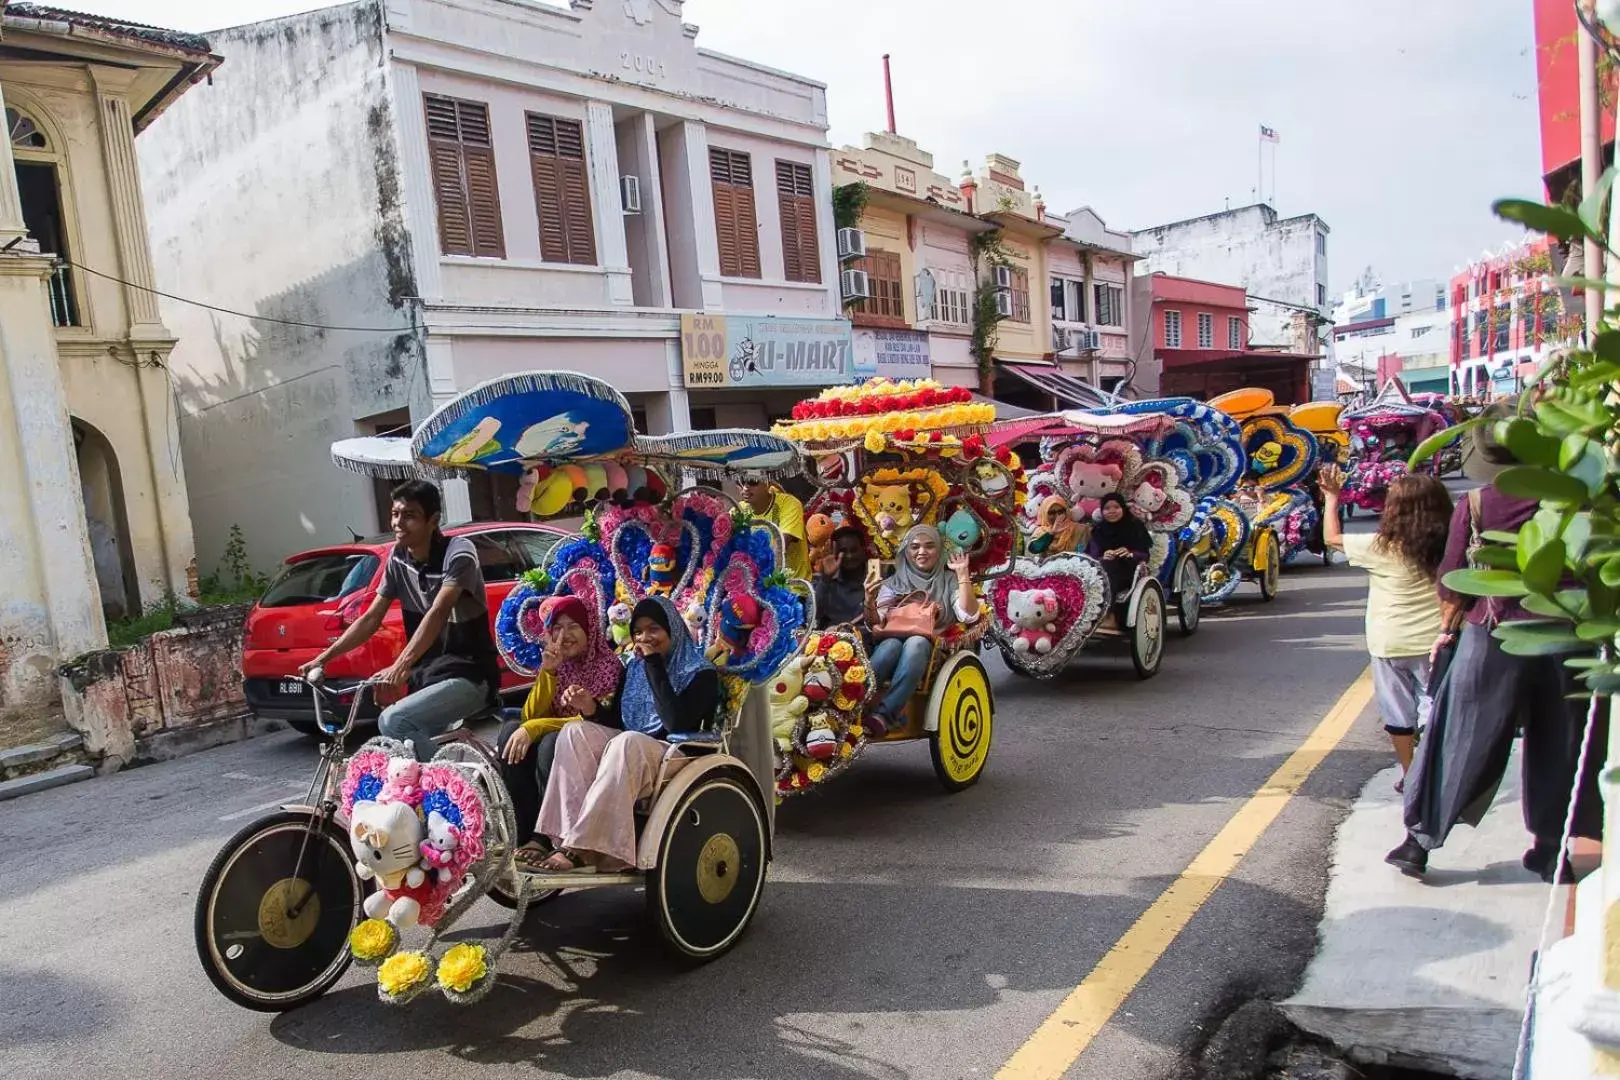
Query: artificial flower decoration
point(402, 974)
point(373, 940)
point(463, 967)
point(878, 407)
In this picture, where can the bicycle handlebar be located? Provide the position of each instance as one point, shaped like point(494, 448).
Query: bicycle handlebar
point(358, 690)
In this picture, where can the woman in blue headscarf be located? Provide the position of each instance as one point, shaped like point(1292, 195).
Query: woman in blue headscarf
point(603, 766)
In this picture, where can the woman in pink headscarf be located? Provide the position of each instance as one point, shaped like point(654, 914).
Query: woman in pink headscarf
point(578, 666)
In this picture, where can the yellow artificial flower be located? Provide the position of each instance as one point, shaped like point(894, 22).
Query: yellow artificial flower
point(841, 652)
point(874, 441)
point(403, 972)
point(816, 772)
point(463, 967)
point(857, 730)
point(856, 673)
point(846, 750)
point(844, 703)
point(373, 939)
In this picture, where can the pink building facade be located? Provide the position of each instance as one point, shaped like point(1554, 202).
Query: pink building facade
point(1197, 333)
point(1507, 314)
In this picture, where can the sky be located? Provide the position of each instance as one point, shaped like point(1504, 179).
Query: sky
point(1400, 120)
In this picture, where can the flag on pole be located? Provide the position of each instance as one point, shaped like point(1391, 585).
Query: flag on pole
point(1269, 134)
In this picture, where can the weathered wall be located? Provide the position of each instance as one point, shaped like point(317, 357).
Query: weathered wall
point(1272, 258)
point(275, 191)
point(122, 392)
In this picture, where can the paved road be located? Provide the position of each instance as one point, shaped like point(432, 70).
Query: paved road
point(904, 933)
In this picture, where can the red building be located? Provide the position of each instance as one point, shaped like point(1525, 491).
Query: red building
point(1198, 333)
point(1559, 93)
point(1506, 316)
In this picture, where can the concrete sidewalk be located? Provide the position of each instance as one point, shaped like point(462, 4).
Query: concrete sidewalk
point(1426, 974)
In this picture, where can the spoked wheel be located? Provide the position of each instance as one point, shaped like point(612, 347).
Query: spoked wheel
point(504, 889)
point(961, 701)
point(711, 866)
point(1147, 636)
point(1266, 547)
point(271, 938)
point(1189, 596)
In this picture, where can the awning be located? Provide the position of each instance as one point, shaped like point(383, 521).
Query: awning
point(1067, 389)
point(1005, 411)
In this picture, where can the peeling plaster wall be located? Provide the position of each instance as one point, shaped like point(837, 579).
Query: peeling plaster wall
point(275, 190)
point(1272, 258)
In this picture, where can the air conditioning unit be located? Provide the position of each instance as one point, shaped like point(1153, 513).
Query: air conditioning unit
point(1003, 277)
point(1087, 340)
point(1004, 303)
point(855, 284)
point(851, 244)
point(1062, 340)
point(630, 194)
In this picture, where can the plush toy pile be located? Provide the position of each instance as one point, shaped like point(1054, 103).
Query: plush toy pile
point(817, 700)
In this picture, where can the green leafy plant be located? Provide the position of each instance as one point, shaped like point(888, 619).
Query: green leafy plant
point(985, 252)
point(849, 204)
point(1563, 565)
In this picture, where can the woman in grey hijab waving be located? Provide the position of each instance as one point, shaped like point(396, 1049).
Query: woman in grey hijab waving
point(923, 581)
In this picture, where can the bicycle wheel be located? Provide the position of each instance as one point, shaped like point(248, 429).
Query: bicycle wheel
point(269, 940)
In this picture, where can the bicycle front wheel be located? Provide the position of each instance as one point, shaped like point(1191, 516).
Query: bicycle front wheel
point(272, 930)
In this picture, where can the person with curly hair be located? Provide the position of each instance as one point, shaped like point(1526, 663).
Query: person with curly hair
point(1402, 560)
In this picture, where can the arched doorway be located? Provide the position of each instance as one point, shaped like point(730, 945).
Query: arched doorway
point(107, 523)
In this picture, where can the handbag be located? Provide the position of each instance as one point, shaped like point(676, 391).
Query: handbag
point(914, 616)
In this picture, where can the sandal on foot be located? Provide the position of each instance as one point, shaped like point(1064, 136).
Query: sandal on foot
point(563, 861)
point(532, 854)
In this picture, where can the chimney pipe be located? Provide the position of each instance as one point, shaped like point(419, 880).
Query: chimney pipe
point(888, 92)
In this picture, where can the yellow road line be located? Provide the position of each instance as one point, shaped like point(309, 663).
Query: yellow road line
point(1064, 1035)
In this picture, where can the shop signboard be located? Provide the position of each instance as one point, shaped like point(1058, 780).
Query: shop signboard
point(893, 354)
point(729, 351)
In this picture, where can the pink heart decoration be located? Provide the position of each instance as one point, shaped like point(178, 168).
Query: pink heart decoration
point(1082, 591)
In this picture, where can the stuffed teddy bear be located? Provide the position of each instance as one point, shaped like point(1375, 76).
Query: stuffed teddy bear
point(439, 848)
point(1034, 612)
point(385, 838)
point(1089, 481)
point(404, 783)
point(788, 702)
point(619, 625)
point(818, 529)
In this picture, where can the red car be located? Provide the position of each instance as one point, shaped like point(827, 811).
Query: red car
point(320, 592)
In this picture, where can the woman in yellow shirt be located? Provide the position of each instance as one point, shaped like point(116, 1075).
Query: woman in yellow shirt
point(578, 666)
point(1403, 606)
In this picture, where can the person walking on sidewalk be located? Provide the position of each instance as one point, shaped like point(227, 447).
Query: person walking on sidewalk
point(1403, 608)
point(1486, 695)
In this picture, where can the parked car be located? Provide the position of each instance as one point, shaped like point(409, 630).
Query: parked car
point(320, 592)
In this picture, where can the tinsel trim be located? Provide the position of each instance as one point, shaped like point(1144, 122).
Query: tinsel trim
point(681, 450)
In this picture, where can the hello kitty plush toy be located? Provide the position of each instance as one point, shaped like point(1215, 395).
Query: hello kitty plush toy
point(439, 848)
point(1148, 499)
point(1089, 481)
point(404, 782)
point(619, 625)
point(385, 838)
point(1034, 612)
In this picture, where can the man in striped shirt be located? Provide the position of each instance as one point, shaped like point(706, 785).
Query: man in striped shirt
point(449, 660)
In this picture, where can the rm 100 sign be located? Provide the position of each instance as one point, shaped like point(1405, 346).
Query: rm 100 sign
point(717, 351)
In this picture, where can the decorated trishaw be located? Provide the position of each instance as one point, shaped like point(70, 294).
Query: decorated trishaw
point(1279, 490)
point(387, 853)
point(888, 456)
point(1383, 433)
point(1059, 598)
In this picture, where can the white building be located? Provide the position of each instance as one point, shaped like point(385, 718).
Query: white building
point(1282, 263)
point(1362, 302)
point(477, 187)
point(1415, 347)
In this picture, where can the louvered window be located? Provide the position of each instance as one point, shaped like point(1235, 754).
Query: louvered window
point(562, 190)
point(737, 228)
point(796, 196)
point(887, 305)
point(463, 162)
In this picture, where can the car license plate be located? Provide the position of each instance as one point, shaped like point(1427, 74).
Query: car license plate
point(292, 688)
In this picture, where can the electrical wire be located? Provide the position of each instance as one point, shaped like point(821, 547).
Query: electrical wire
point(392, 330)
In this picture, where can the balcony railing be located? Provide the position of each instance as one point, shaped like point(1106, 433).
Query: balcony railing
point(64, 311)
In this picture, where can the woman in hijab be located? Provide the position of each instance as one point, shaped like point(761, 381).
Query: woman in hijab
point(901, 663)
point(605, 765)
point(578, 666)
point(1058, 533)
point(1121, 543)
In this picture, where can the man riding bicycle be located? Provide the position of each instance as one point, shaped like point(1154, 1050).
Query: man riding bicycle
point(449, 658)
